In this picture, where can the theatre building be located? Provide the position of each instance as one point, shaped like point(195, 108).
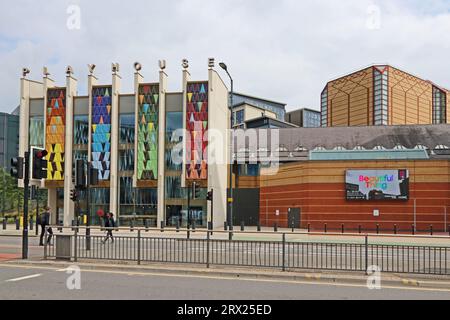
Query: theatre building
point(149, 146)
point(383, 177)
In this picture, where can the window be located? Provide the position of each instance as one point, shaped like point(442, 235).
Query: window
point(80, 130)
point(36, 131)
point(324, 107)
point(126, 131)
point(381, 96)
point(439, 106)
point(239, 117)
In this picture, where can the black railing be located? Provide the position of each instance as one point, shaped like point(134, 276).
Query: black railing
point(280, 253)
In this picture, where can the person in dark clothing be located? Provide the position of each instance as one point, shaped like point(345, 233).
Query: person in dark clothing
point(109, 224)
point(45, 221)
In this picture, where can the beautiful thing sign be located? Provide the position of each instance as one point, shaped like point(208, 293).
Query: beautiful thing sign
point(377, 184)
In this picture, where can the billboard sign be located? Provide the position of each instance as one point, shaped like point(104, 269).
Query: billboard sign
point(371, 185)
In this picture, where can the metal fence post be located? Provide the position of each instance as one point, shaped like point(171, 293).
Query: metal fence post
point(139, 247)
point(5, 221)
point(207, 249)
point(367, 254)
point(45, 243)
point(75, 246)
point(284, 252)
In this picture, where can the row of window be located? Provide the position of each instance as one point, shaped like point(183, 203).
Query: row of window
point(439, 106)
point(381, 97)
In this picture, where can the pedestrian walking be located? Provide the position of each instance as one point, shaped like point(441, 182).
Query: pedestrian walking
point(109, 225)
point(44, 222)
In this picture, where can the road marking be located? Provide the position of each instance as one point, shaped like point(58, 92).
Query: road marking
point(24, 278)
point(233, 278)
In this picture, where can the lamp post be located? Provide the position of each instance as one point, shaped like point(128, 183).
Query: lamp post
point(230, 198)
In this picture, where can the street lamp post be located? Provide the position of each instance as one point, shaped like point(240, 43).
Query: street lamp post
point(230, 198)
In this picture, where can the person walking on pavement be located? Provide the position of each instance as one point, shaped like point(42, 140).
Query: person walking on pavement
point(45, 221)
point(109, 225)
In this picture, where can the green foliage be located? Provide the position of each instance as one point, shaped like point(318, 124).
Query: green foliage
point(11, 196)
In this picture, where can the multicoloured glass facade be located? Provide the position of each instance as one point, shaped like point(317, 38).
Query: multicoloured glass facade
point(197, 127)
point(148, 127)
point(55, 133)
point(101, 131)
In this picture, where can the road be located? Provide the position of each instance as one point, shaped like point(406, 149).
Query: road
point(27, 282)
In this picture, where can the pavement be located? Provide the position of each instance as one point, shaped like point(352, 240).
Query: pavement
point(45, 279)
point(267, 234)
point(33, 280)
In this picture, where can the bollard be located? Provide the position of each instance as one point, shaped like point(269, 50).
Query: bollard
point(31, 223)
point(230, 234)
point(431, 229)
point(413, 230)
point(163, 225)
point(17, 224)
point(259, 227)
point(342, 229)
point(360, 229)
point(395, 229)
point(325, 228)
point(131, 225)
point(188, 231)
point(242, 226)
point(178, 225)
point(378, 229)
point(210, 228)
point(193, 226)
point(449, 230)
point(293, 227)
point(275, 227)
point(309, 227)
point(225, 226)
point(4, 223)
point(147, 224)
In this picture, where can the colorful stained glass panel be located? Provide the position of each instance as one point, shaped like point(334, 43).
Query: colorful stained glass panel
point(55, 133)
point(101, 131)
point(148, 128)
point(197, 127)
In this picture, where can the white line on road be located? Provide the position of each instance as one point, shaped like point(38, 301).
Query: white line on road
point(24, 278)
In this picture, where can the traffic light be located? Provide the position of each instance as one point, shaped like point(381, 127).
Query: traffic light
point(93, 176)
point(17, 168)
point(74, 195)
point(39, 170)
point(209, 196)
point(195, 191)
point(80, 174)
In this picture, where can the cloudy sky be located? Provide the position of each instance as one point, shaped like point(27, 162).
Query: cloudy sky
point(283, 50)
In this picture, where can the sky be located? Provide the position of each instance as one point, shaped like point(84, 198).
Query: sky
point(285, 50)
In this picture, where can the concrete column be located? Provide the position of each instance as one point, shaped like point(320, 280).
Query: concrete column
point(92, 81)
point(218, 149)
point(185, 79)
point(161, 147)
point(52, 202)
point(69, 206)
point(28, 89)
point(114, 179)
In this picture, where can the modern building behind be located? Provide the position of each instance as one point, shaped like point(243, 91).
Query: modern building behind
point(9, 139)
point(383, 95)
point(246, 108)
point(304, 118)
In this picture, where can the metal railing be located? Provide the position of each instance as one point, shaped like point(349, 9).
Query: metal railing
point(199, 247)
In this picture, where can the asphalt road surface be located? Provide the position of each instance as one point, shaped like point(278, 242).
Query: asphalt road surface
point(27, 282)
